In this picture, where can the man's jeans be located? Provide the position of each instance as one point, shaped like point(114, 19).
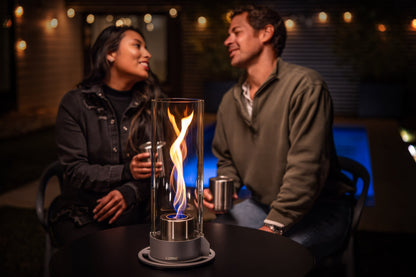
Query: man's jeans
point(322, 230)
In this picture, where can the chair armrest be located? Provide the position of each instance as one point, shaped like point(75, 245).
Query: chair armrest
point(53, 169)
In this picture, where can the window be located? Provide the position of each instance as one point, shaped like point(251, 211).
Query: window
point(7, 67)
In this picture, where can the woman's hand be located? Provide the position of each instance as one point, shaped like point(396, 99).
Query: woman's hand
point(113, 204)
point(141, 167)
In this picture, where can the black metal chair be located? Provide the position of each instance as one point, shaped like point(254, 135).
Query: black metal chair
point(344, 258)
point(52, 170)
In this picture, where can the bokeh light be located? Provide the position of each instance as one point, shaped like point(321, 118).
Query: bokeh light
point(19, 11)
point(70, 13)
point(173, 13)
point(90, 18)
point(381, 27)
point(53, 23)
point(347, 17)
point(202, 20)
point(21, 45)
point(323, 17)
point(290, 24)
point(147, 18)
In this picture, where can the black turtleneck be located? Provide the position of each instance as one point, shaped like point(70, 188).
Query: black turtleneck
point(119, 99)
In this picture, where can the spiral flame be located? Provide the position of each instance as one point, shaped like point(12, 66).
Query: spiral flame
point(178, 152)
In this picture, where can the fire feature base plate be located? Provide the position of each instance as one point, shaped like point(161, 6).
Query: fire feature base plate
point(144, 257)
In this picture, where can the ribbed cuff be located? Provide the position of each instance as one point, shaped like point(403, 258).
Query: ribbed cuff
point(128, 193)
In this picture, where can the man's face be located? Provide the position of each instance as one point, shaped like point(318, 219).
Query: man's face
point(243, 43)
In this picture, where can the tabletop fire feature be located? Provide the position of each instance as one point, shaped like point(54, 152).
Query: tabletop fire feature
point(176, 231)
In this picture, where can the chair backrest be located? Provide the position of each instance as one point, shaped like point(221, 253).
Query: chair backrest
point(357, 171)
point(52, 170)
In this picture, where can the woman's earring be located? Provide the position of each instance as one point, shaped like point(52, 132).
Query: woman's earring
point(111, 60)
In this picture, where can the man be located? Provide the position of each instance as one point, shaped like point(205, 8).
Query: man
point(274, 135)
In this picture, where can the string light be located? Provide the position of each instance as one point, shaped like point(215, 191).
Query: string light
point(90, 18)
point(381, 27)
point(147, 18)
point(150, 27)
point(412, 151)
point(70, 13)
point(202, 20)
point(228, 16)
point(290, 24)
point(21, 45)
point(347, 17)
point(323, 17)
point(119, 23)
point(53, 23)
point(173, 13)
point(19, 11)
point(7, 23)
point(109, 18)
point(413, 24)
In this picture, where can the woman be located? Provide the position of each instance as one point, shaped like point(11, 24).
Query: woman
point(99, 128)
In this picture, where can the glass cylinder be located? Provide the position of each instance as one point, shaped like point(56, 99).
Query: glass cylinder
point(177, 153)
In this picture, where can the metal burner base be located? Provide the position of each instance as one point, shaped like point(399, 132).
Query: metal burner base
point(144, 257)
point(184, 250)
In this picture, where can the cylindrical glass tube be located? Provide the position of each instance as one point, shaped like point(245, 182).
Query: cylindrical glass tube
point(177, 143)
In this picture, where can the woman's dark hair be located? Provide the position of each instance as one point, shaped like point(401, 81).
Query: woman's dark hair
point(258, 17)
point(144, 91)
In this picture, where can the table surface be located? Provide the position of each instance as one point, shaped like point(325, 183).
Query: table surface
point(239, 252)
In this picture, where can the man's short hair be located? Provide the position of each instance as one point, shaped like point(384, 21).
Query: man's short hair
point(258, 17)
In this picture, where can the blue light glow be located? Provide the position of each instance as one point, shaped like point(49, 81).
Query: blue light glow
point(350, 142)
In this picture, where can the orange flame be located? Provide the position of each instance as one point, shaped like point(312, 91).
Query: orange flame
point(178, 152)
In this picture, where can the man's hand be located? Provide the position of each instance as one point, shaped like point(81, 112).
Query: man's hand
point(208, 200)
point(113, 204)
point(265, 228)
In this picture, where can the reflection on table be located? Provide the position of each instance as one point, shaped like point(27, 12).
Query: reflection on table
point(239, 252)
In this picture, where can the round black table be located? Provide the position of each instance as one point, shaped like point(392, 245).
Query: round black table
point(239, 252)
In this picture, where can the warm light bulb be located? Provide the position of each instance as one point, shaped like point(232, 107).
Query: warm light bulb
point(127, 21)
point(407, 136)
point(119, 22)
point(412, 151)
point(7, 23)
point(414, 24)
point(347, 17)
point(109, 18)
point(53, 23)
point(228, 16)
point(381, 27)
point(323, 17)
point(150, 27)
point(90, 18)
point(19, 11)
point(21, 45)
point(147, 18)
point(70, 13)
point(173, 12)
point(289, 23)
point(202, 20)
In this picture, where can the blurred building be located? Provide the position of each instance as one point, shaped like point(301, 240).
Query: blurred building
point(364, 49)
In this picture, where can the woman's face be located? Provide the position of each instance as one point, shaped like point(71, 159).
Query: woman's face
point(130, 63)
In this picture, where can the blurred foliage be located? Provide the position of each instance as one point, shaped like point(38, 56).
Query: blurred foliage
point(213, 59)
point(376, 56)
